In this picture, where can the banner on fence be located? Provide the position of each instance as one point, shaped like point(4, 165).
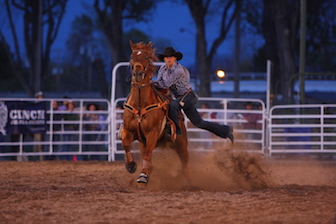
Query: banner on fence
point(18, 117)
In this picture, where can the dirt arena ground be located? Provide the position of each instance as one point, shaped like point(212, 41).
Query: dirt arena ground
point(226, 187)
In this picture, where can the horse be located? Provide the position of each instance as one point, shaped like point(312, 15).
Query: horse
point(145, 115)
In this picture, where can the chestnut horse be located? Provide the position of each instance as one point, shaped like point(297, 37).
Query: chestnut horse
point(145, 115)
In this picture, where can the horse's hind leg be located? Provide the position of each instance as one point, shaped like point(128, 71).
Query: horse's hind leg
point(127, 138)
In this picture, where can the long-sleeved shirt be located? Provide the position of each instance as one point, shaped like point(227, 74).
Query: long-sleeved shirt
point(176, 79)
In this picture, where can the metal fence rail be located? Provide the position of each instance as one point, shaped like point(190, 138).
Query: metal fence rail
point(302, 129)
point(58, 142)
point(288, 129)
point(221, 110)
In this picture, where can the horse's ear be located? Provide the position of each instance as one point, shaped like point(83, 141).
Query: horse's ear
point(131, 44)
point(150, 44)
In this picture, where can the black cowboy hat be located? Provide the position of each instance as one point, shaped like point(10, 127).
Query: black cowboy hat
point(168, 52)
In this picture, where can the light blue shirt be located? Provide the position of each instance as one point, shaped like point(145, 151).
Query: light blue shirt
point(176, 79)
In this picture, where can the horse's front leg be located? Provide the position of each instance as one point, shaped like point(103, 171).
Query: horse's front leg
point(146, 153)
point(126, 140)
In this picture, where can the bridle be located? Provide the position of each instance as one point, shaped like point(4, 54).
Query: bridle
point(143, 73)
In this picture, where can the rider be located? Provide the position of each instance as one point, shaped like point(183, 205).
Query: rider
point(175, 77)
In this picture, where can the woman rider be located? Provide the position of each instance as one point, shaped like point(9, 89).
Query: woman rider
point(175, 77)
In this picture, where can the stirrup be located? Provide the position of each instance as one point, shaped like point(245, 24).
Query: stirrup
point(170, 134)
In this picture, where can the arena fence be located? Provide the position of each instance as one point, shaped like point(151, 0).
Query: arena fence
point(101, 143)
point(286, 129)
point(64, 137)
point(225, 111)
point(302, 129)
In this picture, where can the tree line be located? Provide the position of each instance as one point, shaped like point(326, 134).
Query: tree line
point(99, 34)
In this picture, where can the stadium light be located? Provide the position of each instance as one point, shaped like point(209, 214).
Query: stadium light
point(220, 73)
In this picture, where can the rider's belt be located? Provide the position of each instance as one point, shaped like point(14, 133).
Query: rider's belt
point(184, 94)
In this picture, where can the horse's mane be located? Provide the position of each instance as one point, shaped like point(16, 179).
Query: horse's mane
point(151, 51)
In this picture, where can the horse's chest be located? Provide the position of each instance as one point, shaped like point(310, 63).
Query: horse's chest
point(134, 121)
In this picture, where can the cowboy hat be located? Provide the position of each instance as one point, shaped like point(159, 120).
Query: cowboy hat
point(168, 52)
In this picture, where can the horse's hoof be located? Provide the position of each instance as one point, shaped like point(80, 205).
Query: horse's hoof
point(131, 167)
point(143, 178)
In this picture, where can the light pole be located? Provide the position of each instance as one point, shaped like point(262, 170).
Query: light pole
point(302, 50)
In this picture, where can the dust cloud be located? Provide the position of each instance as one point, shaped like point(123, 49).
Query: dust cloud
point(234, 170)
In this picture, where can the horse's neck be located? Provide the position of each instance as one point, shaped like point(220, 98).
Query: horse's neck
point(142, 96)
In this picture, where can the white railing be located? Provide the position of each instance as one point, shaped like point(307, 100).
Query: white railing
point(223, 111)
point(291, 129)
point(58, 142)
point(302, 129)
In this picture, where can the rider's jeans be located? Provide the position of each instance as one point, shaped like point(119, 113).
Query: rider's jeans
point(187, 103)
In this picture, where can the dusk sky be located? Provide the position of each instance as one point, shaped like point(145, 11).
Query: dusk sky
point(167, 21)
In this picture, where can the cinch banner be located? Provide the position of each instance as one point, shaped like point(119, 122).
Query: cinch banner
point(22, 117)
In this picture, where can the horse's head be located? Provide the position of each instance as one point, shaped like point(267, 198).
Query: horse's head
point(141, 61)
